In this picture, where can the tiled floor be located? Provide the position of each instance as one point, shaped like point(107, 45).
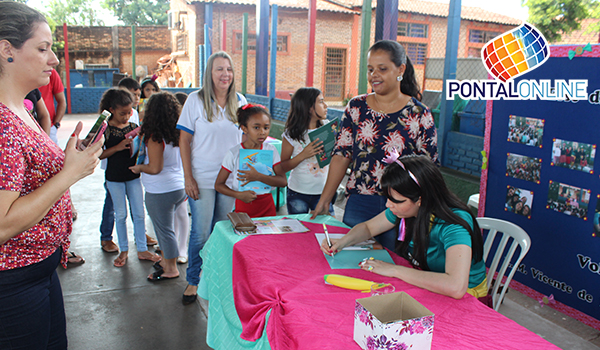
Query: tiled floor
point(117, 308)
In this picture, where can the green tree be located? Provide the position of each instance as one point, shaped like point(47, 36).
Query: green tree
point(557, 17)
point(73, 12)
point(139, 12)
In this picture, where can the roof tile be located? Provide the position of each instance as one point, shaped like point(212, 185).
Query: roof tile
point(414, 6)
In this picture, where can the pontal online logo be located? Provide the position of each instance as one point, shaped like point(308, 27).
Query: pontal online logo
point(515, 53)
point(508, 56)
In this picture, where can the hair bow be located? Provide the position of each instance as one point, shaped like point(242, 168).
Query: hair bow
point(152, 78)
point(393, 157)
point(250, 105)
point(580, 50)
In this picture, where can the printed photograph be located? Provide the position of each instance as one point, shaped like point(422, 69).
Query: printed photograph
point(518, 201)
point(524, 168)
point(568, 199)
point(526, 131)
point(597, 219)
point(573, 155)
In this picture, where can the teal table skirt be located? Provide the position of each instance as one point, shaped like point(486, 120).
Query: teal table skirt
point(224, 326)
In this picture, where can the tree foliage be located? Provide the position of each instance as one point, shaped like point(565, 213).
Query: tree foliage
point(139, 12)
point(557, 17)
point(73, 12)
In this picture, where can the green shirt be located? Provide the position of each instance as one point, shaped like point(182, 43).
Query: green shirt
point(444, 236)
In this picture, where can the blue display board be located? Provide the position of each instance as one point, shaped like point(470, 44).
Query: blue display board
point(543, 175)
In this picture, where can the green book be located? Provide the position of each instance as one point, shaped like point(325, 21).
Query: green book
point(327, 133)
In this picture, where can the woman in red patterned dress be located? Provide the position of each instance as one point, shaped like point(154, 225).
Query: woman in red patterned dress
point(35, 175)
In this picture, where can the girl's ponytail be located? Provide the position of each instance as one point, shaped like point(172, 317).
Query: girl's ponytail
point(409, 85)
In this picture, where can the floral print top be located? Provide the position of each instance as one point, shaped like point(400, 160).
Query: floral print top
point(27, 160)
point(366, 135)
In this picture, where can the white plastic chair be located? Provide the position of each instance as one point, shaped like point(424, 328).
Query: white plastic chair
point(474, 200)
point(519, 237)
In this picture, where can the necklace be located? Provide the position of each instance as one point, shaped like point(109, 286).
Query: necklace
point(380, 105)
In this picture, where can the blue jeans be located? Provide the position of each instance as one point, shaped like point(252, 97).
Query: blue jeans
point(298, 203)
point(360, 208)
point(120, 192)
point(108, 217)
point(33, 313)
point(210, 208)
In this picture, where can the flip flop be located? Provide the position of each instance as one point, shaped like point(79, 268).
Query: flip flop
point(120, 263)
point(154, 258)
point(79, 260)
point(157, 276)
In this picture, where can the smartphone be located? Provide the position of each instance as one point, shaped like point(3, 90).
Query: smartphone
point(97, 130)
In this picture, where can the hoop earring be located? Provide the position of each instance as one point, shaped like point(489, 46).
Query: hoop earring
point(399, 78)
point(10, 60)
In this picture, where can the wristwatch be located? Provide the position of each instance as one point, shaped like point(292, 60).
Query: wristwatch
point(57, 125)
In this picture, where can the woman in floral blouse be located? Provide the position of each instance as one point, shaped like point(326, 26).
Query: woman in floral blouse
point(35, 175)
point(392, 116)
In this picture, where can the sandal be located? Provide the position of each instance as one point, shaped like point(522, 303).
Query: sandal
point(153, 257)
point(74, 259)
point(158, 276)
point(157, 266)
point(120, 261)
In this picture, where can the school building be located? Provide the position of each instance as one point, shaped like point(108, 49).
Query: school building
point(422, 30)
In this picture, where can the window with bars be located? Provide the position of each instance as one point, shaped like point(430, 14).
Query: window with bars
point(474, 52)
point(335, 77)
point(413, 30)
point(181, 42)
point(283, 42)
point(481, 36)
point(416, 51)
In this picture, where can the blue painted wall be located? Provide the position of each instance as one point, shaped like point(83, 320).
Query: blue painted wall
point(464, 153)
point(87, 99)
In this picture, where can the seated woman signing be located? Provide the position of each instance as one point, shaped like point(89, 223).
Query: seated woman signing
point(437, 233)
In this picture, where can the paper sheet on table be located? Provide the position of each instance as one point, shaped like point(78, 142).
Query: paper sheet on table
point(349, 259)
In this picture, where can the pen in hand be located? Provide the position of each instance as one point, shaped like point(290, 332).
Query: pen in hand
point(328, 240)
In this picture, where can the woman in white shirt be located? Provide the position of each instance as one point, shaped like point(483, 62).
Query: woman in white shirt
point(208, 124)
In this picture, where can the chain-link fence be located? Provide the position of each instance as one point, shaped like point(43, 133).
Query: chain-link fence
point(421, 28)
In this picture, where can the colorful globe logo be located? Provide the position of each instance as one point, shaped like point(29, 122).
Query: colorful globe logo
point(515, 52)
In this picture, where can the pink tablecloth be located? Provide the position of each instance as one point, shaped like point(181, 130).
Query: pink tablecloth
point(284, 274)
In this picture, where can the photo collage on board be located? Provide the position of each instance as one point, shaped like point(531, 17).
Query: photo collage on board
point(569, 199)
point(563, 198)
point(529, 132)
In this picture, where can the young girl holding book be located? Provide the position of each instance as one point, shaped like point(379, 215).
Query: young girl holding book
point(121, 182)
point(308, 112)
point(255, 122)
